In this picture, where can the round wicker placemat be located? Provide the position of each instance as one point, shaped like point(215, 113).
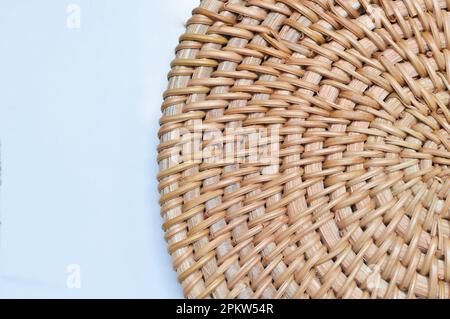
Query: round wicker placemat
point(305, 150)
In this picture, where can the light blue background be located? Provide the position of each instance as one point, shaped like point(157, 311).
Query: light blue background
point(79, 111)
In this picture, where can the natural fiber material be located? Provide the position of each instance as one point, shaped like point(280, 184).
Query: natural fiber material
point(333, 182)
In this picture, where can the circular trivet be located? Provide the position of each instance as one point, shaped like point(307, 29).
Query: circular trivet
point(305, 150)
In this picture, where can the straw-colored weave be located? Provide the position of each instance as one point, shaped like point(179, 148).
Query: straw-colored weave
point(355, 203)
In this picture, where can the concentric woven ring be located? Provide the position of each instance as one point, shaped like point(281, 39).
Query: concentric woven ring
point(305, 150)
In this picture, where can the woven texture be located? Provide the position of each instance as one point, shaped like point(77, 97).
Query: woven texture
point(354, 201)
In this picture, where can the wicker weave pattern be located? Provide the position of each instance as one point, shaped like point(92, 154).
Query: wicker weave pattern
point(357, 203)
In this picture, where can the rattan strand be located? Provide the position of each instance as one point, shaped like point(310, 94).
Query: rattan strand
point(356, 203)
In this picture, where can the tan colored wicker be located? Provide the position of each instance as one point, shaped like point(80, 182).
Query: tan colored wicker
point(305, 150)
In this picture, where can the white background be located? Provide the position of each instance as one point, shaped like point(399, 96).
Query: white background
point(79, 111)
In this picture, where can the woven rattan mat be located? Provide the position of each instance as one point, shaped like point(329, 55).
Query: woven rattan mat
point(304, 150)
